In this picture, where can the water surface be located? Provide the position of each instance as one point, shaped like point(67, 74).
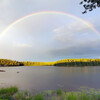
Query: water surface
point(50, 78)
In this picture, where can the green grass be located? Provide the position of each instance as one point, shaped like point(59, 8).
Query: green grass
point(38, 97)
point(12, 93)
point(71, 96)
point(84, 96)
point(59, 92)
point(7, 93)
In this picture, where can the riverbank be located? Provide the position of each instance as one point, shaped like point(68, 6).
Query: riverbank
point(13, 93)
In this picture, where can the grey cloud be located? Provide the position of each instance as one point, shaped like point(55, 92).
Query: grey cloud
point(87, 49)
point(73, 32)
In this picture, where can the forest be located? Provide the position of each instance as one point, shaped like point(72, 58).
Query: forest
point(63, 62)
point(7, 62)
point(78, 62)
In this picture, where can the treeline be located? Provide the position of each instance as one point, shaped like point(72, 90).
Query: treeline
point(78, 62)
point(64, 62)
point(7, 62)
point(28, 63)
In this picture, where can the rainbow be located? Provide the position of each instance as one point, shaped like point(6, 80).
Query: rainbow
point(49, 12)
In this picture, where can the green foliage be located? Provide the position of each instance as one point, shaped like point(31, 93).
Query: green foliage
point(59, 92)
point(78, 64)
point(7, 93)
point(38, 97)
point(23, 96)
point(71, 96)
point(12, 93)
point(84, 96)
point(98, 97)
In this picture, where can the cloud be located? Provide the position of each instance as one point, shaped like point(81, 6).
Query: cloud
point(75, 40)
point(4, 3)
point(22, 45)
point(89, 49)
point(75, 31)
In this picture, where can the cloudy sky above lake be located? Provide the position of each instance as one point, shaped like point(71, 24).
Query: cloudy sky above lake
point(48, 37)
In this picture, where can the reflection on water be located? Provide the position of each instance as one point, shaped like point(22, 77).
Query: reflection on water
point(49, 77)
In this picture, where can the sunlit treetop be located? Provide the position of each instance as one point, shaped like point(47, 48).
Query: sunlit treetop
point(89, 5)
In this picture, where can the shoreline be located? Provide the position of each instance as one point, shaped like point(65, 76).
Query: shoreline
point(13, 93)
point(63, 62)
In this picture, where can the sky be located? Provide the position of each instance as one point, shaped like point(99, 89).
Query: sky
point(48, 37)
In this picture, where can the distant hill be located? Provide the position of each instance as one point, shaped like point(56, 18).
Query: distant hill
point(63, 62)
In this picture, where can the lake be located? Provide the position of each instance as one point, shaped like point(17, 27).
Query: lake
point(41, 78)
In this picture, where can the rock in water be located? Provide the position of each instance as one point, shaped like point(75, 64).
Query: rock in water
point(2, 70)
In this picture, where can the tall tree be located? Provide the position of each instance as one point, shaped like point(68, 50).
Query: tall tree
point(89, 5)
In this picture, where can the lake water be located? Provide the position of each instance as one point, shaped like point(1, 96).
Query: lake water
point(50, 78)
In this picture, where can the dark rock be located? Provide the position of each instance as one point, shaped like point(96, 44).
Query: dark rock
point(2, 70)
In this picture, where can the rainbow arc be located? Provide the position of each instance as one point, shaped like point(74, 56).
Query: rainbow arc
point(49, 12)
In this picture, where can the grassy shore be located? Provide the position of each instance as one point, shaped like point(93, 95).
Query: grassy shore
point(13, 93)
